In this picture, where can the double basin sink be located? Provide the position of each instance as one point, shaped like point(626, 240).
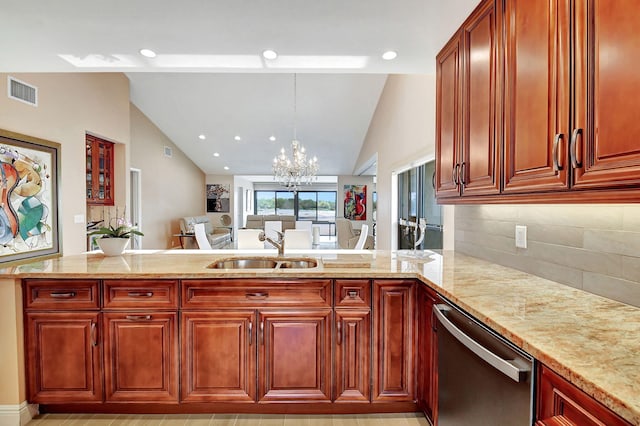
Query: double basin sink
point(264, 263)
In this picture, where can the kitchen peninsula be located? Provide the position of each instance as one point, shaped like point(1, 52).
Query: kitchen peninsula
point(590, 341)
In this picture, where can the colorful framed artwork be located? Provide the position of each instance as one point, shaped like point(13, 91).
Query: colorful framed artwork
point(218, 198)
point(355, 202)
point(29, 183)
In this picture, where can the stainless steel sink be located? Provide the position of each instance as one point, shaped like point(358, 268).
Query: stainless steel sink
point(264, 263)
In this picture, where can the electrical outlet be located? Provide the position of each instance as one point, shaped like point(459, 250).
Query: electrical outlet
point(521, 236)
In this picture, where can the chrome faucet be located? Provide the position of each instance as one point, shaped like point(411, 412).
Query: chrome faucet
point(277, 244)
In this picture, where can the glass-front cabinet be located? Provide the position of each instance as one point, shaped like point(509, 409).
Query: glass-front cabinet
point(99, 171)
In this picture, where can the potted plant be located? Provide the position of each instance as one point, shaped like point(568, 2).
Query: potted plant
point(114, 238)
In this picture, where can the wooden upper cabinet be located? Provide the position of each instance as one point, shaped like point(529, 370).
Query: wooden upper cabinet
point(606, 128)
point(100, 181)
point(536, 108)
point(448, 92)
point(468, 152)
point(479, 171)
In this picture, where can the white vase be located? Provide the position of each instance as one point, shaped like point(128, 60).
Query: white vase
point(112, 246)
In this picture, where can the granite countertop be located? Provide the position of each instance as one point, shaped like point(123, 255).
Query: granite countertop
point(592, 341)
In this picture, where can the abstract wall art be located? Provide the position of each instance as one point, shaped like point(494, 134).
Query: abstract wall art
point(218, 198)
point(355, 202)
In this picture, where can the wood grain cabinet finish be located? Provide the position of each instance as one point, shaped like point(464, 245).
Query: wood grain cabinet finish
point(559, 403)
point(45, 294)
point(353, 355)
point(426, 396)
point(468, 160)
point(141, 356)
point(352, 294)
point(393, 340)
point(63, 357)
point(140, 294)
point(218, 356)
point(294, 355)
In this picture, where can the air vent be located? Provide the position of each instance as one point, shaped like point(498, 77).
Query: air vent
point(22, 91)
point(168, 151)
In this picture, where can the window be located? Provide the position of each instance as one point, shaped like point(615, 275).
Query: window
point(317, 206)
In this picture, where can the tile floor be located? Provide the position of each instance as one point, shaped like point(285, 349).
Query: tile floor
point(396, 419)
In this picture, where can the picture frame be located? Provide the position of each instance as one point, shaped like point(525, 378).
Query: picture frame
point(218, 198)
point(29, 198)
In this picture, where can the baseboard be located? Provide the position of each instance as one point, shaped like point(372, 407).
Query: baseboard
point(17, 415)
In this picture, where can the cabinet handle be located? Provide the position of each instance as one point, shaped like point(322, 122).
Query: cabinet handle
point(352, 294)
point(67, 295)
point(94, 341)
point(139, 317)
point(140, 294)
point(455, 174)
point(260, 295)
point(262, 332)
point(433, 180)
point(572, 149)
point(556, 142)
point(250, 333)
point(339, 332)
point(463, 168)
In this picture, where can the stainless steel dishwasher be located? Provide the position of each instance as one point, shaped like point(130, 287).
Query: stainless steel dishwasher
point(482, 378)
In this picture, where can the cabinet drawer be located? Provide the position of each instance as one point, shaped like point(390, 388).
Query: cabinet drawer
point(255, 293)
point(61, 294)
point(140, 294)
point(353, 293)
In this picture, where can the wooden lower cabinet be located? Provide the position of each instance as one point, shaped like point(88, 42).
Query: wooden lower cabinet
point(294, 355)
point(352, 355)
point(426, 396)
point(141, 356)
point(218, 356)
point(559, 403)
point(63, 357)
point(393, 340)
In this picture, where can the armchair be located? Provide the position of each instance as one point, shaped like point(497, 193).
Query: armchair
point(348, 237)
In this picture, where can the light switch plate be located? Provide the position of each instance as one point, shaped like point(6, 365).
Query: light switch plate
point(521, 236)
point(78, 218)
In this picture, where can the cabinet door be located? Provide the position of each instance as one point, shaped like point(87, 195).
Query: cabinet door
point(448, 101)
point(479, 171)
point(63, 357)
point(218, 356)
point(606, 132)
point(99, 157)
point(393, 341)
point(294, 356)
point(141, 356)
point(426, 387)
point(536, 97)
point(353, 348)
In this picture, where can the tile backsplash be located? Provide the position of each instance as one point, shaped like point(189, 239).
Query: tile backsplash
point(594, 247)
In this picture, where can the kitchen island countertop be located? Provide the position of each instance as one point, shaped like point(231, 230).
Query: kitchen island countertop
point(592, 341)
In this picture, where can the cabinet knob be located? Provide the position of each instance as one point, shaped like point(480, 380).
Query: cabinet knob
point(352, 294)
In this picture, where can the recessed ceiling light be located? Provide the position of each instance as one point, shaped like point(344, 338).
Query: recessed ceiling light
point(148, 53)
point(238, 138)
point(272, 138)
point(226, 167)
point(216, 154)
point(269, 54)
point(202, 137)
point(389, 55)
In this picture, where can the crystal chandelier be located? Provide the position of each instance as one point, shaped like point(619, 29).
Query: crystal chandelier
point(297, 171)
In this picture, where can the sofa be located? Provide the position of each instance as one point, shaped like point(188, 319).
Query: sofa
point(218, 237)
point(256, 221)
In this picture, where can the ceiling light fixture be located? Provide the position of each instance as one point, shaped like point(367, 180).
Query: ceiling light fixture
point(226, 167)
point(272, 138)
point(389, 55)
point(216, 154)
point(202, 137)
point(297, 171)
point(148, 53)
point(269, 54)
point(237, 138)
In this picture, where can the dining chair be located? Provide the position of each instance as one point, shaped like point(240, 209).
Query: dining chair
point(201, 236)
point(297, 239)
point(364, 233)
point(271, 229)
point(248, 239)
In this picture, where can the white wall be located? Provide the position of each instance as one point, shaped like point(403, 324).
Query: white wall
point(401, 132)
point(240, 206)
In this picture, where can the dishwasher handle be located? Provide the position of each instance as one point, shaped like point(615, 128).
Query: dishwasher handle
point(506, 367)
